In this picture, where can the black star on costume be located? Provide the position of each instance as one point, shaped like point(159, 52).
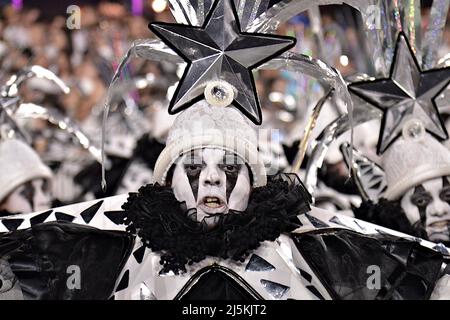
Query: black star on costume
point(123, 284)
point(316, 222)
point(117, 217)
point(220, 51)
point(275, 289)
point(305, 275)
point(60, 216)
point(315, 292)
point(90, 212)
point(407, 93)
point(139, 254)
point(40, 218)
point(337, 221)
point(12, 224)
point(257, 263)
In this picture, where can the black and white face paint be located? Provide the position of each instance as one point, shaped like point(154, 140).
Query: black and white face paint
point(429, 205)
point(212, 181)
point(31, 196)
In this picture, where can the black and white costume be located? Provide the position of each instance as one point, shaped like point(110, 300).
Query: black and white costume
point(326, 257)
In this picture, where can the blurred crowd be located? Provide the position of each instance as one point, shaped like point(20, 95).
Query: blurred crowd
point(86, 58)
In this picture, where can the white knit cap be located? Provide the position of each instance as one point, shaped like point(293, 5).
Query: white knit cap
point(19, 163)
point(409, 162)
point(206, 126)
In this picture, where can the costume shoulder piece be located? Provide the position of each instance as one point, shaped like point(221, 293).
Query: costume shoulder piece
point(363, 261)
point(361, 267)
point(64, 253)
point(105, 214)
point(61, 260)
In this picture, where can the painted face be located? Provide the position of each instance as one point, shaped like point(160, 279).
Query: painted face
point(428, 204)
point(29, 197)
point(212, 181)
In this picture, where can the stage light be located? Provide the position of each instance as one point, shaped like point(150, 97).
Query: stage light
point(159, 5)
point(344, 60)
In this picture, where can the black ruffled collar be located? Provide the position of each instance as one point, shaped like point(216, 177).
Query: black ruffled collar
point(165, 226)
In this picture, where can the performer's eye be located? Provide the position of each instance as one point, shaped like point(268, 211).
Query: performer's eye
point(421, 200)
point(445, 194)
point(193, 169)
point(231, 168)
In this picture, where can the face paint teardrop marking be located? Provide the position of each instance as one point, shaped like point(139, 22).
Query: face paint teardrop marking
point(193, 167)
point(421, 199)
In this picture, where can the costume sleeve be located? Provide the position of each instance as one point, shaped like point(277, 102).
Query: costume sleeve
point(354, 266)
point(64, 261)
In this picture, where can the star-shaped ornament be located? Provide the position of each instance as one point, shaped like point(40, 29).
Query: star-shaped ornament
point(407, 93)
point(219, 52)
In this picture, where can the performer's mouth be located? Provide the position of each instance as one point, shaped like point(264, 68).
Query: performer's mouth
point(439, 224)
point(439, 230)
point(212, 205)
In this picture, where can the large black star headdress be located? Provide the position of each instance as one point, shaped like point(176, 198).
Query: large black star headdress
point(408, 93)
point(219, 53)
